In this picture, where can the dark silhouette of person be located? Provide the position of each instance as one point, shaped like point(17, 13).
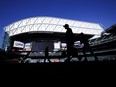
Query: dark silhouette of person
point(85, 41)
point(63, 54)
point(74, 52)
point(69, 41)
point(27, 55)
point(47, 54)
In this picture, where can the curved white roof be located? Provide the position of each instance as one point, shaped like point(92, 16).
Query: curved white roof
point(52, 24)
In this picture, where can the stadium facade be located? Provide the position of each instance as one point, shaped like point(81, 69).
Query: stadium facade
point(34, 34)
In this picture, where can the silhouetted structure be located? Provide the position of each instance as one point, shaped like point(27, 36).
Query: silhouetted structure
point(2, 56)
point(69, 41)
point(75, 52)
point(63, 54)
point(86, 46)
point(47, 54)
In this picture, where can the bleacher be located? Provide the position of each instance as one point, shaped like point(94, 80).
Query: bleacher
point(106, 41)
point(102, 40)
point(42, 54)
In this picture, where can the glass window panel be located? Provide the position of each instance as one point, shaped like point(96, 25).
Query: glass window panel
point(54, 21)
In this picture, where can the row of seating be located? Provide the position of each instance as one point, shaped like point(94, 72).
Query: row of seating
point(105, 37)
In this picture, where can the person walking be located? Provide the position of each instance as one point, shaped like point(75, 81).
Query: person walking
point(69, 41)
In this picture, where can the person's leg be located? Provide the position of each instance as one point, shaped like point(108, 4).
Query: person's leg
point(44, 59)
point(68, 56)
point(84, 53)
point(49, 60)
point(79, 57)
point(68, 53)
point(92, 53)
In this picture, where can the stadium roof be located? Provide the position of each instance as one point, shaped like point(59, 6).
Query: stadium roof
point(52, 24)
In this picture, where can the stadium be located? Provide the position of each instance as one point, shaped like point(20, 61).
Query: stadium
point(36, 33)
point(46, 29)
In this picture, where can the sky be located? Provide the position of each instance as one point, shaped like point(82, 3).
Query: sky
point(97, 11)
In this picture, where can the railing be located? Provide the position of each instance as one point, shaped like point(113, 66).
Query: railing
point(102, 41)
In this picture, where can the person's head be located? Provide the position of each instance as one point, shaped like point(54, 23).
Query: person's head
point(66, 26)
point(81, 33)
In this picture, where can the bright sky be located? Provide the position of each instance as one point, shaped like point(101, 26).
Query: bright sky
point(98, 11)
